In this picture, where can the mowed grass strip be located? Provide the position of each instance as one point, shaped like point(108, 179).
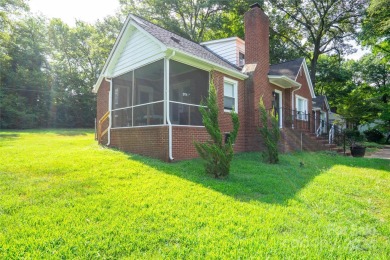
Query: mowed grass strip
point(63, 196)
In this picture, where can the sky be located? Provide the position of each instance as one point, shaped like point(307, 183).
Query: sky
point(92, 10)
point(70, 10)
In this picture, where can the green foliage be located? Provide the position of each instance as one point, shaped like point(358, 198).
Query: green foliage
point(64, 196)
point(376, 27)
point(353, 137)
point(188, 18)
point(373, 135)
point(216, 154)
point(270, 133)
point(48, 68)
point(315, 28)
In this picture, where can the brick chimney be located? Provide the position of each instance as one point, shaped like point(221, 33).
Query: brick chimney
point(256, 36)
point(256, 58)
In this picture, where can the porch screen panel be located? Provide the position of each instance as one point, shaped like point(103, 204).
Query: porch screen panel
point(122, 91)
point(150, 114)
point(182, 114)
point(122, 117)
point(149, 83)
point(138, 97)
point(188, 86)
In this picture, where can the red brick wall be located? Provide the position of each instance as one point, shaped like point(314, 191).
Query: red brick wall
point(225, 120)
point(304, 91)
point(184, 136)
point(102, 105)
point(147, 141)
point(183, 141)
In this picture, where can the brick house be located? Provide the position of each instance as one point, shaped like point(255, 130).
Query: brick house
point(321, 111)
point(153, 81)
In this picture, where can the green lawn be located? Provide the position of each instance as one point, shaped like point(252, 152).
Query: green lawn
point(63, 196)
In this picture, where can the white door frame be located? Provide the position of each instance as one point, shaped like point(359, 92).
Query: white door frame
point(280, 107)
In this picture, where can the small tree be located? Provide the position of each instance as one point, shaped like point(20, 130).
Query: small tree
point(216, 153)
point(270, 132)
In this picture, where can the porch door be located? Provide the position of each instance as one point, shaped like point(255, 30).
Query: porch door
point(278, 106)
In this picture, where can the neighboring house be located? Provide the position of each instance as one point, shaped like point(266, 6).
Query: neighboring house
point(152, 84)
point(320, 115)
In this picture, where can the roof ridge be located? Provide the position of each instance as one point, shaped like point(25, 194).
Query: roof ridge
point(288, 61)
point(159, 26)
point(181, 38)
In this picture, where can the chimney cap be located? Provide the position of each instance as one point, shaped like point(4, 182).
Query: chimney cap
point(256, 5)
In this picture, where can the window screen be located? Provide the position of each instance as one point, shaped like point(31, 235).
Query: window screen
point(138, 97)
point(188, 86)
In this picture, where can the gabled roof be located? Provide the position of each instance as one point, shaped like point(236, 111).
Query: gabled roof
point(318, 101)
point(174, 41)
point(289, 68)
point(287, 73)
point(171, 44)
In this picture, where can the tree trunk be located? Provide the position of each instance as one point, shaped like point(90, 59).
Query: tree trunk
point(313, 66)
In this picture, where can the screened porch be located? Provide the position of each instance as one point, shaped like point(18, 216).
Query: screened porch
point(158, 92)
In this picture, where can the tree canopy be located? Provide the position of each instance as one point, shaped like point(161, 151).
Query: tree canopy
point(48, 68)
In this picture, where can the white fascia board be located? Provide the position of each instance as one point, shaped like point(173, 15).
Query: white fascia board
point(118, 39)
point(291, 82)
point(195, 61)
point(327, 104)
point(313, 95)
point(230, 39)
point(130, 21)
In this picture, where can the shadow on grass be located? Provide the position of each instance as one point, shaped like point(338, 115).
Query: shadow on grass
point(8, 136)
point(251, 179)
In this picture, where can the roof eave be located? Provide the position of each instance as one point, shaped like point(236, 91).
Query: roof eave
point(212, 65)
point(283, 81)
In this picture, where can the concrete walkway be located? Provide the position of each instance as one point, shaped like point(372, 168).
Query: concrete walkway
point(383, 153)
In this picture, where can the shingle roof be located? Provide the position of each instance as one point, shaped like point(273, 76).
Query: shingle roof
point(175, 41)
point(318, 101)
point(288, 68)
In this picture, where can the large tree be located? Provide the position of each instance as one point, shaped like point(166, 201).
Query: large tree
point(376, 27)
point(25, 95)
point(318, 27)
point(188, 18)
point(78, 54)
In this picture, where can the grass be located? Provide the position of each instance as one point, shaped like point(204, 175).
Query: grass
point(63, 196)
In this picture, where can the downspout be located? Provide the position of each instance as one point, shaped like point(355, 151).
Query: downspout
point(109, 109)
point(167, 109)
point(293, 104)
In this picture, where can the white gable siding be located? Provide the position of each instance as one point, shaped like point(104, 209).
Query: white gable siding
point(228, 48)
point(139, 49)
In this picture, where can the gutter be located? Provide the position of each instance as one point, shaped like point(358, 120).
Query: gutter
point(293, 102)
point(167, 109)
point(109, 109)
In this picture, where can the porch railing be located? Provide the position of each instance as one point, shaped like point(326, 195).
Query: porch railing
point(100, 132)
point(311, 123)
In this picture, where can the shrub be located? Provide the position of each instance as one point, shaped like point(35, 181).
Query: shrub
point(270, 132)
point(373, 135)
point(353, 137)
point(216, 154)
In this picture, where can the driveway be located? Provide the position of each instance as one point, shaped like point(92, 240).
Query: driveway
point(383, 153)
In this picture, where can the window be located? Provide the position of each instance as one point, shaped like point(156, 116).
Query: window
point(302, 110)
point(230, 100)
point(241, 59)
